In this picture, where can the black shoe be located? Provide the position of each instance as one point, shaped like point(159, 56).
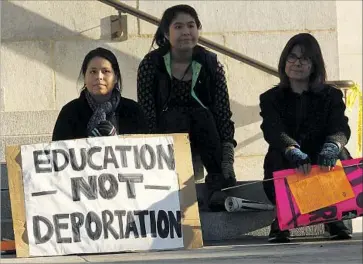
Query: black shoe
point(229, 182)
point(338, 231)
point(216, 201)
point(278, 236)
point(216, 198)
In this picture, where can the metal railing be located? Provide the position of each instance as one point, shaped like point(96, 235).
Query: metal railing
point(345, 85)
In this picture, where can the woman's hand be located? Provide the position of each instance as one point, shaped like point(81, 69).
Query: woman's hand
point(328, 156)
point(228, 160)
point(104, 128)
point(298, 159)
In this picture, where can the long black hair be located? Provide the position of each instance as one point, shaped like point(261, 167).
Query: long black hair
point(106, 54)
point(311, 49)
point(166, 20)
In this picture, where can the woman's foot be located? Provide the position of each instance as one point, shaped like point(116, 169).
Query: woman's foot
point(216, 201)
point(278, 236)
point(216, 198)
point(338, 231)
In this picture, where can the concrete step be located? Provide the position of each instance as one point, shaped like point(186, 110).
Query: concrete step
point(218, 226)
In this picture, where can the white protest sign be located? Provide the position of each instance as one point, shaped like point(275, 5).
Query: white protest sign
point(104, 194)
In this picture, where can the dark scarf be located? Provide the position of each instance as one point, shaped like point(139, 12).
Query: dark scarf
point(102, 111)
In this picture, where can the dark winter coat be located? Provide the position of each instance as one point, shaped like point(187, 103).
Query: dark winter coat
point(74, 116)
point(307, 120)
point(208, 91)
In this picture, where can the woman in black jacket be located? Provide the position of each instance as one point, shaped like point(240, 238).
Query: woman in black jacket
point(100, 110)
point(182, 88)
point(303, 121)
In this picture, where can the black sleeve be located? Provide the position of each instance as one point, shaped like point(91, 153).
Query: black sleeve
point(145, 91)
point(338, 128)
point(273, 129)
point(63, 129)
point(141, 126)
point(221, 109)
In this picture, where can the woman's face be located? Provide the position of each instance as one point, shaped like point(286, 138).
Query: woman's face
point(100, 78)
point(298, 67)
point(183, 32)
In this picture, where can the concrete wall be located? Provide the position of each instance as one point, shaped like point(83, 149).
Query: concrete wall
point(349, 18)
point(349, 14)
point(44, 43)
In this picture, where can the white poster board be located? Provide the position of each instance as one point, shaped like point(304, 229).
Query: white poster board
point(96, 195)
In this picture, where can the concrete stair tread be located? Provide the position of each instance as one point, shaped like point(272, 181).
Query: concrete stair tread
point(225, 226)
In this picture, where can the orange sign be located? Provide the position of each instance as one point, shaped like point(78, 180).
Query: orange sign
point(320, 189)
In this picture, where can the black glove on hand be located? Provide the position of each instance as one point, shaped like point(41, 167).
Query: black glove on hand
point(104, 128)
point(299, 159)
point(228, 160)
point(329, 155)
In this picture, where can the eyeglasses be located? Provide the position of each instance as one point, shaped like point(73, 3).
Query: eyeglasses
point(292, 58)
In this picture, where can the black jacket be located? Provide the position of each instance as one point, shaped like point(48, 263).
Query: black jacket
point(204, 88)
point(74, 116)
point(307, 120)
point(154, 88)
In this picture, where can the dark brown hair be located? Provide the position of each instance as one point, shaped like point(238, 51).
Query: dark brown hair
point(166, 20)
point(311, 49)
point(106, 54)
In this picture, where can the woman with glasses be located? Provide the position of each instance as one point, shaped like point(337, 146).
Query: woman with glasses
point(303, 121)
point(182, 88)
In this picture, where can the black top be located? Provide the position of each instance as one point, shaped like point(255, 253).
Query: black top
point(153, 83)
point(74, 116)
point(182, 98)
point(307, 120)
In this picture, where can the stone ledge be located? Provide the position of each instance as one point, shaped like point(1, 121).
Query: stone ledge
point(27, 123)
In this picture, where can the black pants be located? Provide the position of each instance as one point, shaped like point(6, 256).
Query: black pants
point(204, 139)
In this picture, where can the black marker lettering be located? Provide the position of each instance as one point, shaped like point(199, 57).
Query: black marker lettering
point(147, 148)
point(110, 158)
point(59, 167)
point(175, 223)
point(141, 215)
point(120, 214)
point(78, 166)
point(38, 161)
point(167, 157)
point(326, 213)
point(163, 224)
point(152, 223)
point(137, 157)
point(58, 226)
point(39, 239)
point(131, 226)
point(107, 224)
point(79, 185)
point(359, 200)
point(92, 217)
point(112, 191)
point(123, 156)
point(77, 220)
point(90, 153)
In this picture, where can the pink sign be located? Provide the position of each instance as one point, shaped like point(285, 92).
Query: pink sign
point(288, 213)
